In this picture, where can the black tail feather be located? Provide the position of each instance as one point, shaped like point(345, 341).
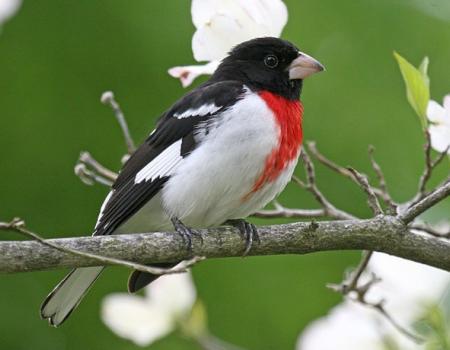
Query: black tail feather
point(139, 280)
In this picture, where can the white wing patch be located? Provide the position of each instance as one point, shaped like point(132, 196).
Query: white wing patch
point(198, 112)
point(108, 197)
point(162, 165)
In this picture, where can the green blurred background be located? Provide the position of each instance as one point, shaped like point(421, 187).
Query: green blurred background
point(57, 57)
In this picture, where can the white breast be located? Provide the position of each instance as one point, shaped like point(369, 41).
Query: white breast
point(208, 186)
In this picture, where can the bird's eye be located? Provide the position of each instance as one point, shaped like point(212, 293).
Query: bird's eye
point(271, 61)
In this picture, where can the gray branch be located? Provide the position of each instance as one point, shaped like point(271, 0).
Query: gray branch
point(434, 197)
point(383, 234)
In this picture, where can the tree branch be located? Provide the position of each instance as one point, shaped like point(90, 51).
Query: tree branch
point(384, 234)
point(394, 233)
point(18, 225)
point(428, 201)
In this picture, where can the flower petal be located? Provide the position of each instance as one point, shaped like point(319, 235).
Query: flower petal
point(224, 24)
point(405, 289)
point(435, 112)
point(213, 40)
point(187, 74)
point(133, 317)
point(405, 286)
point(203, 10)
point(272, 13)
point(440, 137)
point(8, 8)
point(351, 326)
point(174, 293)
point(447, 106)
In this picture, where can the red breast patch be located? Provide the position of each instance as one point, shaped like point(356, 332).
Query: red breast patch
point(288, 116)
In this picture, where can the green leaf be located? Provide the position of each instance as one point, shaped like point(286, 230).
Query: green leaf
point(417, 85)
point(423, 68)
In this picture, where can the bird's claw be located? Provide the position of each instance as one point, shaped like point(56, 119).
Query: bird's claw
point(248, 231)
point(186, 233)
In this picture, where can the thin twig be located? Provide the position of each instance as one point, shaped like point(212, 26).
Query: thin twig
point(351, 286)
point(281, 211)
point(351, 282)
point(311, 186)
point(430, 230)
point(384, 195)
point(90, 171)
point(430, 165)
point(372, 199)
point(18, 225)
point(387, 316)
point(440, 158)
point(427, 202)
point(290, 213)
point(89, 160)
point(312, 147)
point(90, 177)
point(380, 308)
point(108, 99)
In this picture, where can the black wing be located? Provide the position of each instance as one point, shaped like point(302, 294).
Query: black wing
point(175, 128)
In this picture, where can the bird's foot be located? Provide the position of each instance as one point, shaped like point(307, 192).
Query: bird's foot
point(248, 231)
point(186, 233)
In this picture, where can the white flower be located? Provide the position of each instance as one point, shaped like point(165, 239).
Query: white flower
point(222, 24)
point(187, 74)
point(407, 288)
point(439, 129)
point(146, 319)
point(8, 8)
point(351, 326)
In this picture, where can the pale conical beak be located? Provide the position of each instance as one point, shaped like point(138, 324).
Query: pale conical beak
point(304, 66)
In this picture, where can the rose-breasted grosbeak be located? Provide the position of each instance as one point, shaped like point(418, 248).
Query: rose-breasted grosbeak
point(219, 154)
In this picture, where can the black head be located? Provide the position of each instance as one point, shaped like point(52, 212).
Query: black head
point(269, 64)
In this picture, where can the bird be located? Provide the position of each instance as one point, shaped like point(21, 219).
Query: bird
point(220, 153)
